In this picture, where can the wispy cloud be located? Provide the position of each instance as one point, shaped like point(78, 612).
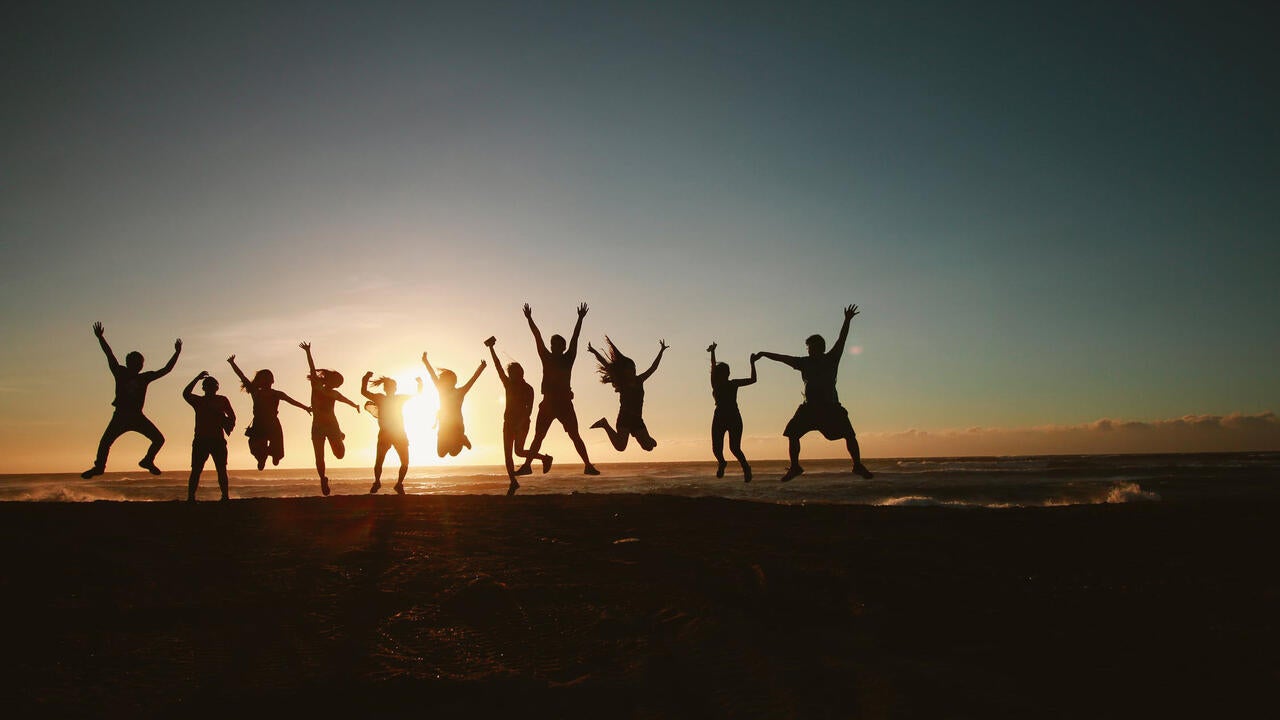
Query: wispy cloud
point(1189, 433)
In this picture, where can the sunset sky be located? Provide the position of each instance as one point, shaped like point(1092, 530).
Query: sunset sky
point(1050, 214)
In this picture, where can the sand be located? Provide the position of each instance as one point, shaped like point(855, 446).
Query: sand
point(638, 606)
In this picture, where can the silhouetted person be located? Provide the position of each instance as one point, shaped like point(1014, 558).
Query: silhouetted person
point(619, 371)
point(515, 417)
point(131, 393)
point(324, 423)
point(727, 418)
point(451, 433)
point(266, 437)
point(821, 409)
point(388, 407)
point(557, 396)
point(214, 421)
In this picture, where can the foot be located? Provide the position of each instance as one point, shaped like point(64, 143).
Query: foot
point(525, 470)
point(377, 485)
point(590, 470)
point(224, 498)
point(720, 468)
point(399, 488)
point(861, 470)
point(150, 466)
point(275, 461)
point(746, 473)
point(546, 464)
point(324, 486)
point(94, 471)
point(511, 489)
point(793, 471)
point(262, 463)
point(601, 423)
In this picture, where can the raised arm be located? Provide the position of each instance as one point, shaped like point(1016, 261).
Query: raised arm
point(173, 360)
point(243, 379)
point(311, 364)
point(712, 349)
point(497, 364)
point(419, 385)
point(293, 402)
point(189, 396)
point(577, 330)
point(100, 333)
point(430, 370)
point(537, 336)
point(838, 348)
point(599, 358)
point(364, 387)
point(662, 347)
point(474, 376)
point(788, 360)
point(751, 380)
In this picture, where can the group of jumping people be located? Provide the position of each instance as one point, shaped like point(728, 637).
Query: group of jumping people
point(215, 419)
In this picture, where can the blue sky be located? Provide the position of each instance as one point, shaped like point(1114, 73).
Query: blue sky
point(1049, 214)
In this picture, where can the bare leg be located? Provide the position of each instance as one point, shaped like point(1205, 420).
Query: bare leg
point(115, 428)
point(717, 447)
point(381, 453)
point(541, 425)
point(198, 457)
point(402, 449)
point(619, 439)
point(517, 447)
point(220, 464)
point(793, 450)
point(735, 447)
point(855, 453)
point(317, 446)
point(570, 423)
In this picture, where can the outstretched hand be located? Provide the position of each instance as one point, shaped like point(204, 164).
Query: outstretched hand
point(424, 356)
point(483, 364)
point(203, 374)
point(177, 345)
point(368, 375)
point(755, 356)
point(305, 345)
point(589, 347)
point(582, 310)
point(98, 329)
point(662, 345)
point(528, 311)
point(850, 311)
point(232, 359)
point(711, 347)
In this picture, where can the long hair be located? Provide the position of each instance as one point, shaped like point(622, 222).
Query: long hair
point(617, 368)
point(326, 377)
point(384, 382)
point(261, 379)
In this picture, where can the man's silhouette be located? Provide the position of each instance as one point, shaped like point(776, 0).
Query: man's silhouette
point(821, 409)
point(214, 421)
point(131, 393)
point(515, 416)
point(557, 396)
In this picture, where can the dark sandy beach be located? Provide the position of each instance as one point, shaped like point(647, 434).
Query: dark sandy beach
point(639, 606)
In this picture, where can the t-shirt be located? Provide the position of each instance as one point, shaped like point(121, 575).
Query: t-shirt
point(819, 375)
point(556, 371)
point(266, 403)
point(391, 413)
point(519, 400)
point(212, 412)
point(725, 394)
point(131, 389)
point(322, 401)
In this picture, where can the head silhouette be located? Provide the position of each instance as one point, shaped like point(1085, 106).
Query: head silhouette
point(330, 378)
point(515, 370)
point(209, 385)
point(720, 372)
point(263, 379)
point(557, 344)
point(133, 361)
point(449, 377)
point(816, 344)
point(617, 368)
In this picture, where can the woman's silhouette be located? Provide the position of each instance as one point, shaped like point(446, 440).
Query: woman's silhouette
point(620, 371)
point(324, 422)
point(131, 393)
point(388, 408)
point(266, 437)
point(727, 418)
point(451, 435)
point(214, 421)
point(515, 418)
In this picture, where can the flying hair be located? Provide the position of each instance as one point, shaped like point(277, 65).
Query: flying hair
point(616, 367)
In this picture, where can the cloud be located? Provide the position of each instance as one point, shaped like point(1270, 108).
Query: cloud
point(1190, 433)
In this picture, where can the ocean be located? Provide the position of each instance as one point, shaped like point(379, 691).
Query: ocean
point(1037, 481)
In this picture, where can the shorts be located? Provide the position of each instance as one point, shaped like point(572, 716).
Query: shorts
point(557, 409)
point(327, 431)
point(203, 449)
point(831, 420)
